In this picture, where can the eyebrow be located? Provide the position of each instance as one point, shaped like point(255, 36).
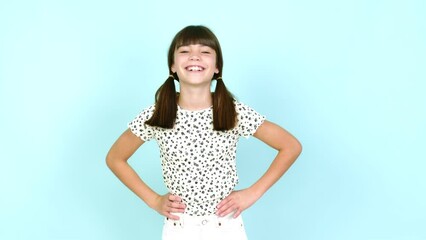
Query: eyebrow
point(202, 45)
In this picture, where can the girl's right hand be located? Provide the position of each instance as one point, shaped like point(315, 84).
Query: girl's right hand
point(168, 204)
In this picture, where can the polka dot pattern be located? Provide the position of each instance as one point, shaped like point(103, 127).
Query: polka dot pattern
point(198, 163)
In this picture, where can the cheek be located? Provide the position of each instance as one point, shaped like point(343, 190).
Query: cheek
point(175, 64)
point(177, 61)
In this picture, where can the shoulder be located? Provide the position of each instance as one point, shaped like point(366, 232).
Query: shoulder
point(248, 119)
point(239, 106)
point(147, 112)
point(143, 115)
point(243, 109)
point(150, 108)
point(138, 126)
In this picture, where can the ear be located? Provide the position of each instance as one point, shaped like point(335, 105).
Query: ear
point(216, 71)
point(173, 68)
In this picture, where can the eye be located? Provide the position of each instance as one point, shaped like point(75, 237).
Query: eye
point(206, 50)
point(183, 49)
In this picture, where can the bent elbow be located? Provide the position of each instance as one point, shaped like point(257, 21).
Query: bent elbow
point(109, 161)
point(299, 148)
point(295, 149)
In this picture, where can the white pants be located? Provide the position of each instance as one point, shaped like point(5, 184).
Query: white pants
point(204, 228)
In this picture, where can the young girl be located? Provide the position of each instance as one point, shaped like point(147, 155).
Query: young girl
point(197, 133)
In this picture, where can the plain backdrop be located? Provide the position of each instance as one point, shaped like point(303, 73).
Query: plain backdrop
point(347, 78)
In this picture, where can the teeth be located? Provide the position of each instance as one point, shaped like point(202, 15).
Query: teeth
point(195, 68)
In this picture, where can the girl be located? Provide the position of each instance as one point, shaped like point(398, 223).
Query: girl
point(197, 133)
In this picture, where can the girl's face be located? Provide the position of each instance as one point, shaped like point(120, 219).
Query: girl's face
point(194, 64)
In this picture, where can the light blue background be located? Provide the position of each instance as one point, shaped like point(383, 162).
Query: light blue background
point(347, 78)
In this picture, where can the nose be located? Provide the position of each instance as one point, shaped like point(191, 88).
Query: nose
point(194, 56)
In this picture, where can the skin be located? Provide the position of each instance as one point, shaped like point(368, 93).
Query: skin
point(195, 85)
point(195, 95)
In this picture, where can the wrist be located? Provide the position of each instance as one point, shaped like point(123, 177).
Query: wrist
point(255, 191)
point(152, 200)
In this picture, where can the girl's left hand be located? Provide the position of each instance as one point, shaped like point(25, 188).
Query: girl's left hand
point(236, 202)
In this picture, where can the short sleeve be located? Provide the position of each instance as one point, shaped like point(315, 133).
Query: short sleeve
point(248, 120)
point(138, 126)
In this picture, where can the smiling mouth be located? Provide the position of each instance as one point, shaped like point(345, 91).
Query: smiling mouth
point(194, 68)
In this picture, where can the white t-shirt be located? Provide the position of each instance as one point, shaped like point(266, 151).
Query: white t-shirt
point(198, 163)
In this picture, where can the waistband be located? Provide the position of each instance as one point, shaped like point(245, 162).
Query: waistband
point(207, 221)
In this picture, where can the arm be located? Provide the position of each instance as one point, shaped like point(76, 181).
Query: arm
point(288, 148)
point(116, 160)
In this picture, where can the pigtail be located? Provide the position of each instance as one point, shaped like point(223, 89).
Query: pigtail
point(224, 113)
point(165, 105)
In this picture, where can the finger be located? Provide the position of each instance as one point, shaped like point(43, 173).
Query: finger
point(237, 213)
point(171, 216)
point(177, 207)
point(175, 198)
point(226, 208)
point(177, 210)
point(223, 202)
point(178, 204)
point(229, 210)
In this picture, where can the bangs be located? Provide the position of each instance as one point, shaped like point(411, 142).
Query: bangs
point(196, 35)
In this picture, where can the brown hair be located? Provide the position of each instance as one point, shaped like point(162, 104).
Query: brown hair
point(224, 114)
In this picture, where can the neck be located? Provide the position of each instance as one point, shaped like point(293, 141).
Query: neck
point(195, 98)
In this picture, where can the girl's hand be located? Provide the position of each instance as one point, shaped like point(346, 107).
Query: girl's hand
point(168, 204)
point(237, 202)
